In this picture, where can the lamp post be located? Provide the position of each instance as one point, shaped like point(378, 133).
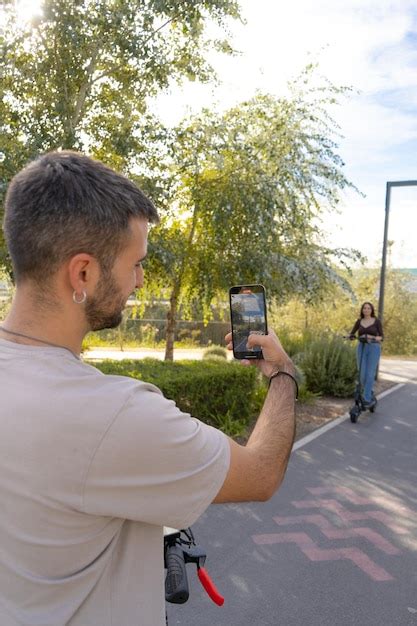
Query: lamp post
point(398, 183)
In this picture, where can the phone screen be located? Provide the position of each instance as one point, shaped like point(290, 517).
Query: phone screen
point(248, 316)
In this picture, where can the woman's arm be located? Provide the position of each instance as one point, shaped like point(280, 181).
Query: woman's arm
point(354, 329)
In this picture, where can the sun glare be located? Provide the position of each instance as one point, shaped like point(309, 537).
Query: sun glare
point(27, 9)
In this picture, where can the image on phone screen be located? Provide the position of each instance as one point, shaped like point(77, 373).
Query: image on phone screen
point(248, 316)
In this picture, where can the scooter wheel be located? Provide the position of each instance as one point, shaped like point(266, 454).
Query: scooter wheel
point(354, 414)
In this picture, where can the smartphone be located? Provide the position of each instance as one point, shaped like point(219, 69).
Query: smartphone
point(248, 316)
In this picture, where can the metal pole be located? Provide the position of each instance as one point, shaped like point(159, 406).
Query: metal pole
point(396, 183)
point(384, 255)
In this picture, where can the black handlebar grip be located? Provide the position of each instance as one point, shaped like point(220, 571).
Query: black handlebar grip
point(176, 583)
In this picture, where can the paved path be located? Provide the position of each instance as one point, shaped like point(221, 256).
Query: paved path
point(141, 353)
point(337, 545)
point(397, 369)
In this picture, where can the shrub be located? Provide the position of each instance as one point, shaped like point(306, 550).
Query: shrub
point(329, 366)
point(294, 344)
point(148, 334)
point(222, 394)
point(216, 351)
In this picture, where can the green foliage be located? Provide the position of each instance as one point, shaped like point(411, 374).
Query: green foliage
point(400, 316)
point(215, 351)
point(336, 312)
point(81, 75)
point(305, 396)
point(329, 366)
point(250, 183)
point(6, 292)
point(259, 172)
point(220, 393)
point(294, 343)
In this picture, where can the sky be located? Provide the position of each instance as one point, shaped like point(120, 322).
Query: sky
point(370, 45)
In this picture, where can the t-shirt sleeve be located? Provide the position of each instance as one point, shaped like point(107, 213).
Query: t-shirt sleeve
point(156, 464)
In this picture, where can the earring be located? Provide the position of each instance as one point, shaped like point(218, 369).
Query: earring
point(75, 298)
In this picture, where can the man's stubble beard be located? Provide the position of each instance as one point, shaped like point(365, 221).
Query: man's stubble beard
point(105, 308)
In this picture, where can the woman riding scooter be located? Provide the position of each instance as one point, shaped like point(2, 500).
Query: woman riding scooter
point(370, 334)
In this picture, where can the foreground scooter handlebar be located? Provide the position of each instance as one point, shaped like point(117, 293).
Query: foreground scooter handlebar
point(180, 549)
point(176, 582)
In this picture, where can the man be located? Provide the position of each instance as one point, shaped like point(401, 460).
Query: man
point(91, 466)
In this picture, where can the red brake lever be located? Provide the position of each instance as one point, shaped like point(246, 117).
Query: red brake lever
point(209, 586)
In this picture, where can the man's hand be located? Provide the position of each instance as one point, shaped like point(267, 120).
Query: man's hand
point(275, 357)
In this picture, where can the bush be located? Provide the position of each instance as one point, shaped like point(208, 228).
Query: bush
point(294, 344)
point(329, 366)
point(220, 393)
point(216, 351)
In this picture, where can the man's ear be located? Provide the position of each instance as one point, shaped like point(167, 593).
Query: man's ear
point(83, 272)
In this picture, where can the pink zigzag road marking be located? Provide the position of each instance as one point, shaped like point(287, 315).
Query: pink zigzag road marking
point(351, 496)
point(349, 516)
point(314, 553)
point(332, 532)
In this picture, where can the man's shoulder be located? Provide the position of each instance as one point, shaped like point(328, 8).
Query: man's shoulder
point(114, 384)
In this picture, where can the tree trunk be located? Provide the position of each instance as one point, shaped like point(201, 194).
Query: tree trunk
point(171, 323)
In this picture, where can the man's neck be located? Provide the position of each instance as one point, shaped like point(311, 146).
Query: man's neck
point(42, 324)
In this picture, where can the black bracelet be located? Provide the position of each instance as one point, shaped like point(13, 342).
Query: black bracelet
point(275, 374)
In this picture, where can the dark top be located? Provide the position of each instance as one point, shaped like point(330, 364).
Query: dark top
point(374, 329)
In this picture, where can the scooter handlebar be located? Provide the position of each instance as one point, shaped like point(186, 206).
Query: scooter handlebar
point(176, 582)
point(362, 339)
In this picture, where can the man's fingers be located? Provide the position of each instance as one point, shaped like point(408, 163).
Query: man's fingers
point(257, 340)
point(228, 340)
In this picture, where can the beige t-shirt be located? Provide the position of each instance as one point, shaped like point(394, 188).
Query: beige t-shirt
point(91, 468)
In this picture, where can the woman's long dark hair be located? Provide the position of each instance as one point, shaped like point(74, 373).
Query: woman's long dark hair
point(372, 310)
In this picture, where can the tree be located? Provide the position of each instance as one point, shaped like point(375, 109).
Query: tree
point(244, 190)
point(81, 75)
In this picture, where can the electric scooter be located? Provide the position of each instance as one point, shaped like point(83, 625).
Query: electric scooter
point(179, 549)
point(360, 404)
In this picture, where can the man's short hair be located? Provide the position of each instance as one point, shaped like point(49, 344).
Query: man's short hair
point(64, 203)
